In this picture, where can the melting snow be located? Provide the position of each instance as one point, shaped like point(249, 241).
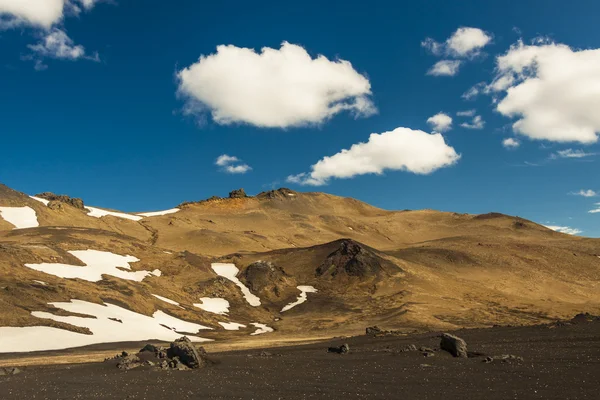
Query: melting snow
point(168, 301)
point(125, 326)
point(20, 217)
point(262, 328)
point(40, 200)
point(231, 326)
point(97, 263)
point(158, 213)
point(41, 283)
point(230, 272)
point(213, 305)
point(99, 213)
point(301, 299)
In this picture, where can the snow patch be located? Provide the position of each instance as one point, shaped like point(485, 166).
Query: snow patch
point(231, 326)
point(230, 271)
point(168, 301)
point(159, 213)
point(41, 283)
point(97, 263)
point(111, 324)
point(214, 305)
point(262, 328)
point(44, 201)
point(99, 213)
point(302, 298)
point(20, 217)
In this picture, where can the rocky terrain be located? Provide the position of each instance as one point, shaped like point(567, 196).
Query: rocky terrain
point(278, 267)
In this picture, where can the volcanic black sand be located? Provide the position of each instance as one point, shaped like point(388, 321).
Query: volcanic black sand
point(559, 362)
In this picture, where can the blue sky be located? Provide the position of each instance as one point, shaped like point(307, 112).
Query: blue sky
point(105, 122)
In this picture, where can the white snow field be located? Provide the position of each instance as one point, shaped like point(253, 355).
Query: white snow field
point(214, 305)
point(262, 328)
point(159, 213)
point(97, 263)
point(230, 272)
point(20, 217)
point(125, 326)
point(99, 213)
point(168, 301)
point(231, 326)
point(301, 299)
point(43, 201)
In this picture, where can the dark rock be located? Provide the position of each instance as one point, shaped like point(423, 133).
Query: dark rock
point(428, 354)
point(264, 277)
point(353, 259)
point(74, 202)
point(584, 318)
point(150, 348)
point(343, 349)
point(454, 345)
point(184, 350)
point(373, 331)
point(129, 362)
point(279, 194)
point(488, 360)
point(238, 194)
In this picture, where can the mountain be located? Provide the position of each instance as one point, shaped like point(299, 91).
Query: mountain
point(283, 264)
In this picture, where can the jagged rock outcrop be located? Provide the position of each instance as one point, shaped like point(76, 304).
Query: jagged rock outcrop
point(279, 194)
point(238, 194)
point(352, 259)
point(265, 276)
point(75, 202)
point(184, 350)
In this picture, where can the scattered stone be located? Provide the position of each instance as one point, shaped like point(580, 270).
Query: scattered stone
point(509, 357)
point(454, 345)
point(424, 349)
point(410, 347)
point(488, 360)
point(129, 362)
point(343, 349)
point(428, 354)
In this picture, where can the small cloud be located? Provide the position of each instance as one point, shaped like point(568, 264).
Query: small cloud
point(445, 68)
point(476, 123)
point(570, 153)
point(564, 229)
point(511, 143)
point(466, 42)
point(596, 210)
point(585, 193)
point(232, 164)
point(440, 122)
point(467, 113)
point(474, 91)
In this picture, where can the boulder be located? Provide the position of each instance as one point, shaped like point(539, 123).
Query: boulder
point(343, 349)
point(186, 353)
point(454, 345)
point(75, 202)
point(129, 362)
point(373, 331)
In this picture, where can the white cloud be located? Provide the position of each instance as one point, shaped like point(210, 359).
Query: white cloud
point(553, 90)
point(570, 153)
point(40, 13)
point(511, 143)
point(274, 88)
point(585, 193)
point(476, 123)
point(467, 113)
point(56, 44)
point(445, 68)
point(464, 43)
point(232, 164)
point(564, 229)
point(402, 149)
point(440, 122)
point(474, 91)
point(595, 211)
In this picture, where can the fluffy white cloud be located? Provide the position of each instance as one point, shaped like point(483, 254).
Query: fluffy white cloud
point(440, 122)
point(585, 193)
point(445, 68)
point(40, 13)
point(474, 91)
point(564, 229)
point(570, 153)
point(597, 210)
point(275, 88)
point(553, 90)
point(466, 113)
point(232, 164)
point(476, 123)
point(466, 42)
point(56, 44)
point(402, 149)
point(511, 143)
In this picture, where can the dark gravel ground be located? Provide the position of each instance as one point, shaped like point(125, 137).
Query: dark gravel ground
point(559, 363)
